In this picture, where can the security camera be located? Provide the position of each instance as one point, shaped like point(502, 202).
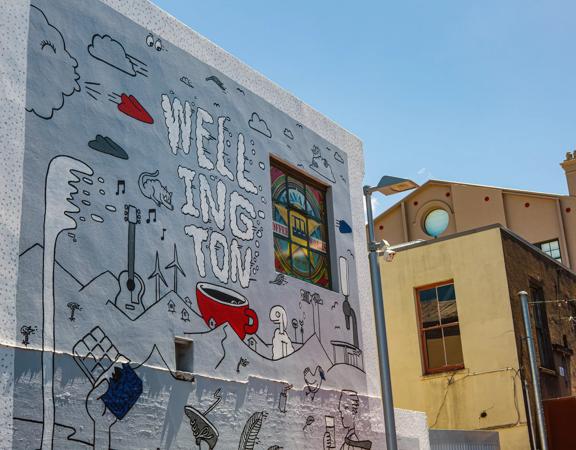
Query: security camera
point(384, 249)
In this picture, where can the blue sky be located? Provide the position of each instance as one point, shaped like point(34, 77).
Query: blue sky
point(480, 92)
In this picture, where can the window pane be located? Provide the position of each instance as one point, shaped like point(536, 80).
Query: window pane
point(436, 222)
point(317, 233)
point(278, 185)
point(429, 308)
point(434, 349)
point(315, 202)
point(300, 262)
point(296, 194)
point(447, 304)
point(453, 346)
point(319, 273)
point(298, 229)
point(280, 220)
point(554, 245)
point(282, 255)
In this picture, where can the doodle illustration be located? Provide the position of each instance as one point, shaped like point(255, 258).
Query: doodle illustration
point(338, 157)
point(280, 280)
point(107, 146)
point(309, 421)
point(219, 305)
point(63, 174)
point(251, 430)
point(73, 306)
point(343, 227)
point(321, 166)
point(214, 79)
point(281, 343)
point(154, 43)
point(111, 52)
point(202, 429)
point(92, 89)
point(151, 187)
point(49, 57)
point(27, 331)
point(186, 81)
point(283, 400)
point(176, 268)
point(259, 125)
point(313, 381)
point(158, 277)
point(130, 106)
point(131, 287)
point(150, 216)
point(348, 408)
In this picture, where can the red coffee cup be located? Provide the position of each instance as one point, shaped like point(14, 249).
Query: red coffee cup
point(219, 305)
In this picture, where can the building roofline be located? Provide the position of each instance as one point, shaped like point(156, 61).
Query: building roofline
point(504, 230)
point(447, 182)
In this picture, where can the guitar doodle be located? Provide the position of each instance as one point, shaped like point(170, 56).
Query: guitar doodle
point(131, 286)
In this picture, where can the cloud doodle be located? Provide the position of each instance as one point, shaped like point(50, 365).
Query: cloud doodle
point(49, 58)
point(288, 133)
point(338, 157)
point(259, 125)
point(111, 52)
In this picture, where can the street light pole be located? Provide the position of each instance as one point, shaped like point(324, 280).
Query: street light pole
point(383, 358)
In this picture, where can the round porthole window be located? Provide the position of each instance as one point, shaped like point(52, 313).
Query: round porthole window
point(436, 222)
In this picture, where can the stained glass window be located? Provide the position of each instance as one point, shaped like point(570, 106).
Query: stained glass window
point(299, 222)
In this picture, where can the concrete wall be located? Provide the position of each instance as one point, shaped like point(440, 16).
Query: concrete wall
point(123, 126)
point(490, 381)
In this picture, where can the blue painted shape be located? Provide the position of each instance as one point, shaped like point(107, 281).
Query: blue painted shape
point(344, 227)
point(124, 391)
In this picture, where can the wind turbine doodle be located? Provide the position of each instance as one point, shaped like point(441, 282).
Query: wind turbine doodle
point(176, 267)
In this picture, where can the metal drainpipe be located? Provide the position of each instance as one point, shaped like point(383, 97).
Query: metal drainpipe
point(534, 370)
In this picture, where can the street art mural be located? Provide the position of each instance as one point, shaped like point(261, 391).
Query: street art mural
point(153, 209)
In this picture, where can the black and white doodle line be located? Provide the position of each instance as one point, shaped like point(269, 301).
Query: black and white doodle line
point(152, 188)
point(54, 63)
point(111, 52)
point(258, 124)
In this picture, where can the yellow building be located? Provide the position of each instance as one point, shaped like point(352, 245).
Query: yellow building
point(456, 335)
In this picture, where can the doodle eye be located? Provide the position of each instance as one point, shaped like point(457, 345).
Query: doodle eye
point(158, 44)
point(48, 44)
point(150, 40)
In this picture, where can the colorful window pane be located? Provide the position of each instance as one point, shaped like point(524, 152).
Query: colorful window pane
point(299, 222)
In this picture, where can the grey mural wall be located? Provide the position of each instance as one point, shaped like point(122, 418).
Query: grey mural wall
point(149, 309)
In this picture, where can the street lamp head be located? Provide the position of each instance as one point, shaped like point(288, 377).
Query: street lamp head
point(389, 185)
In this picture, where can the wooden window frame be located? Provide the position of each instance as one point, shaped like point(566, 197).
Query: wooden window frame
point(422, 332)
point(306, 180)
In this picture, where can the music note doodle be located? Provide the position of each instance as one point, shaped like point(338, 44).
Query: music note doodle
point(151, 212)
point(123, 184)
point(163, 234)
